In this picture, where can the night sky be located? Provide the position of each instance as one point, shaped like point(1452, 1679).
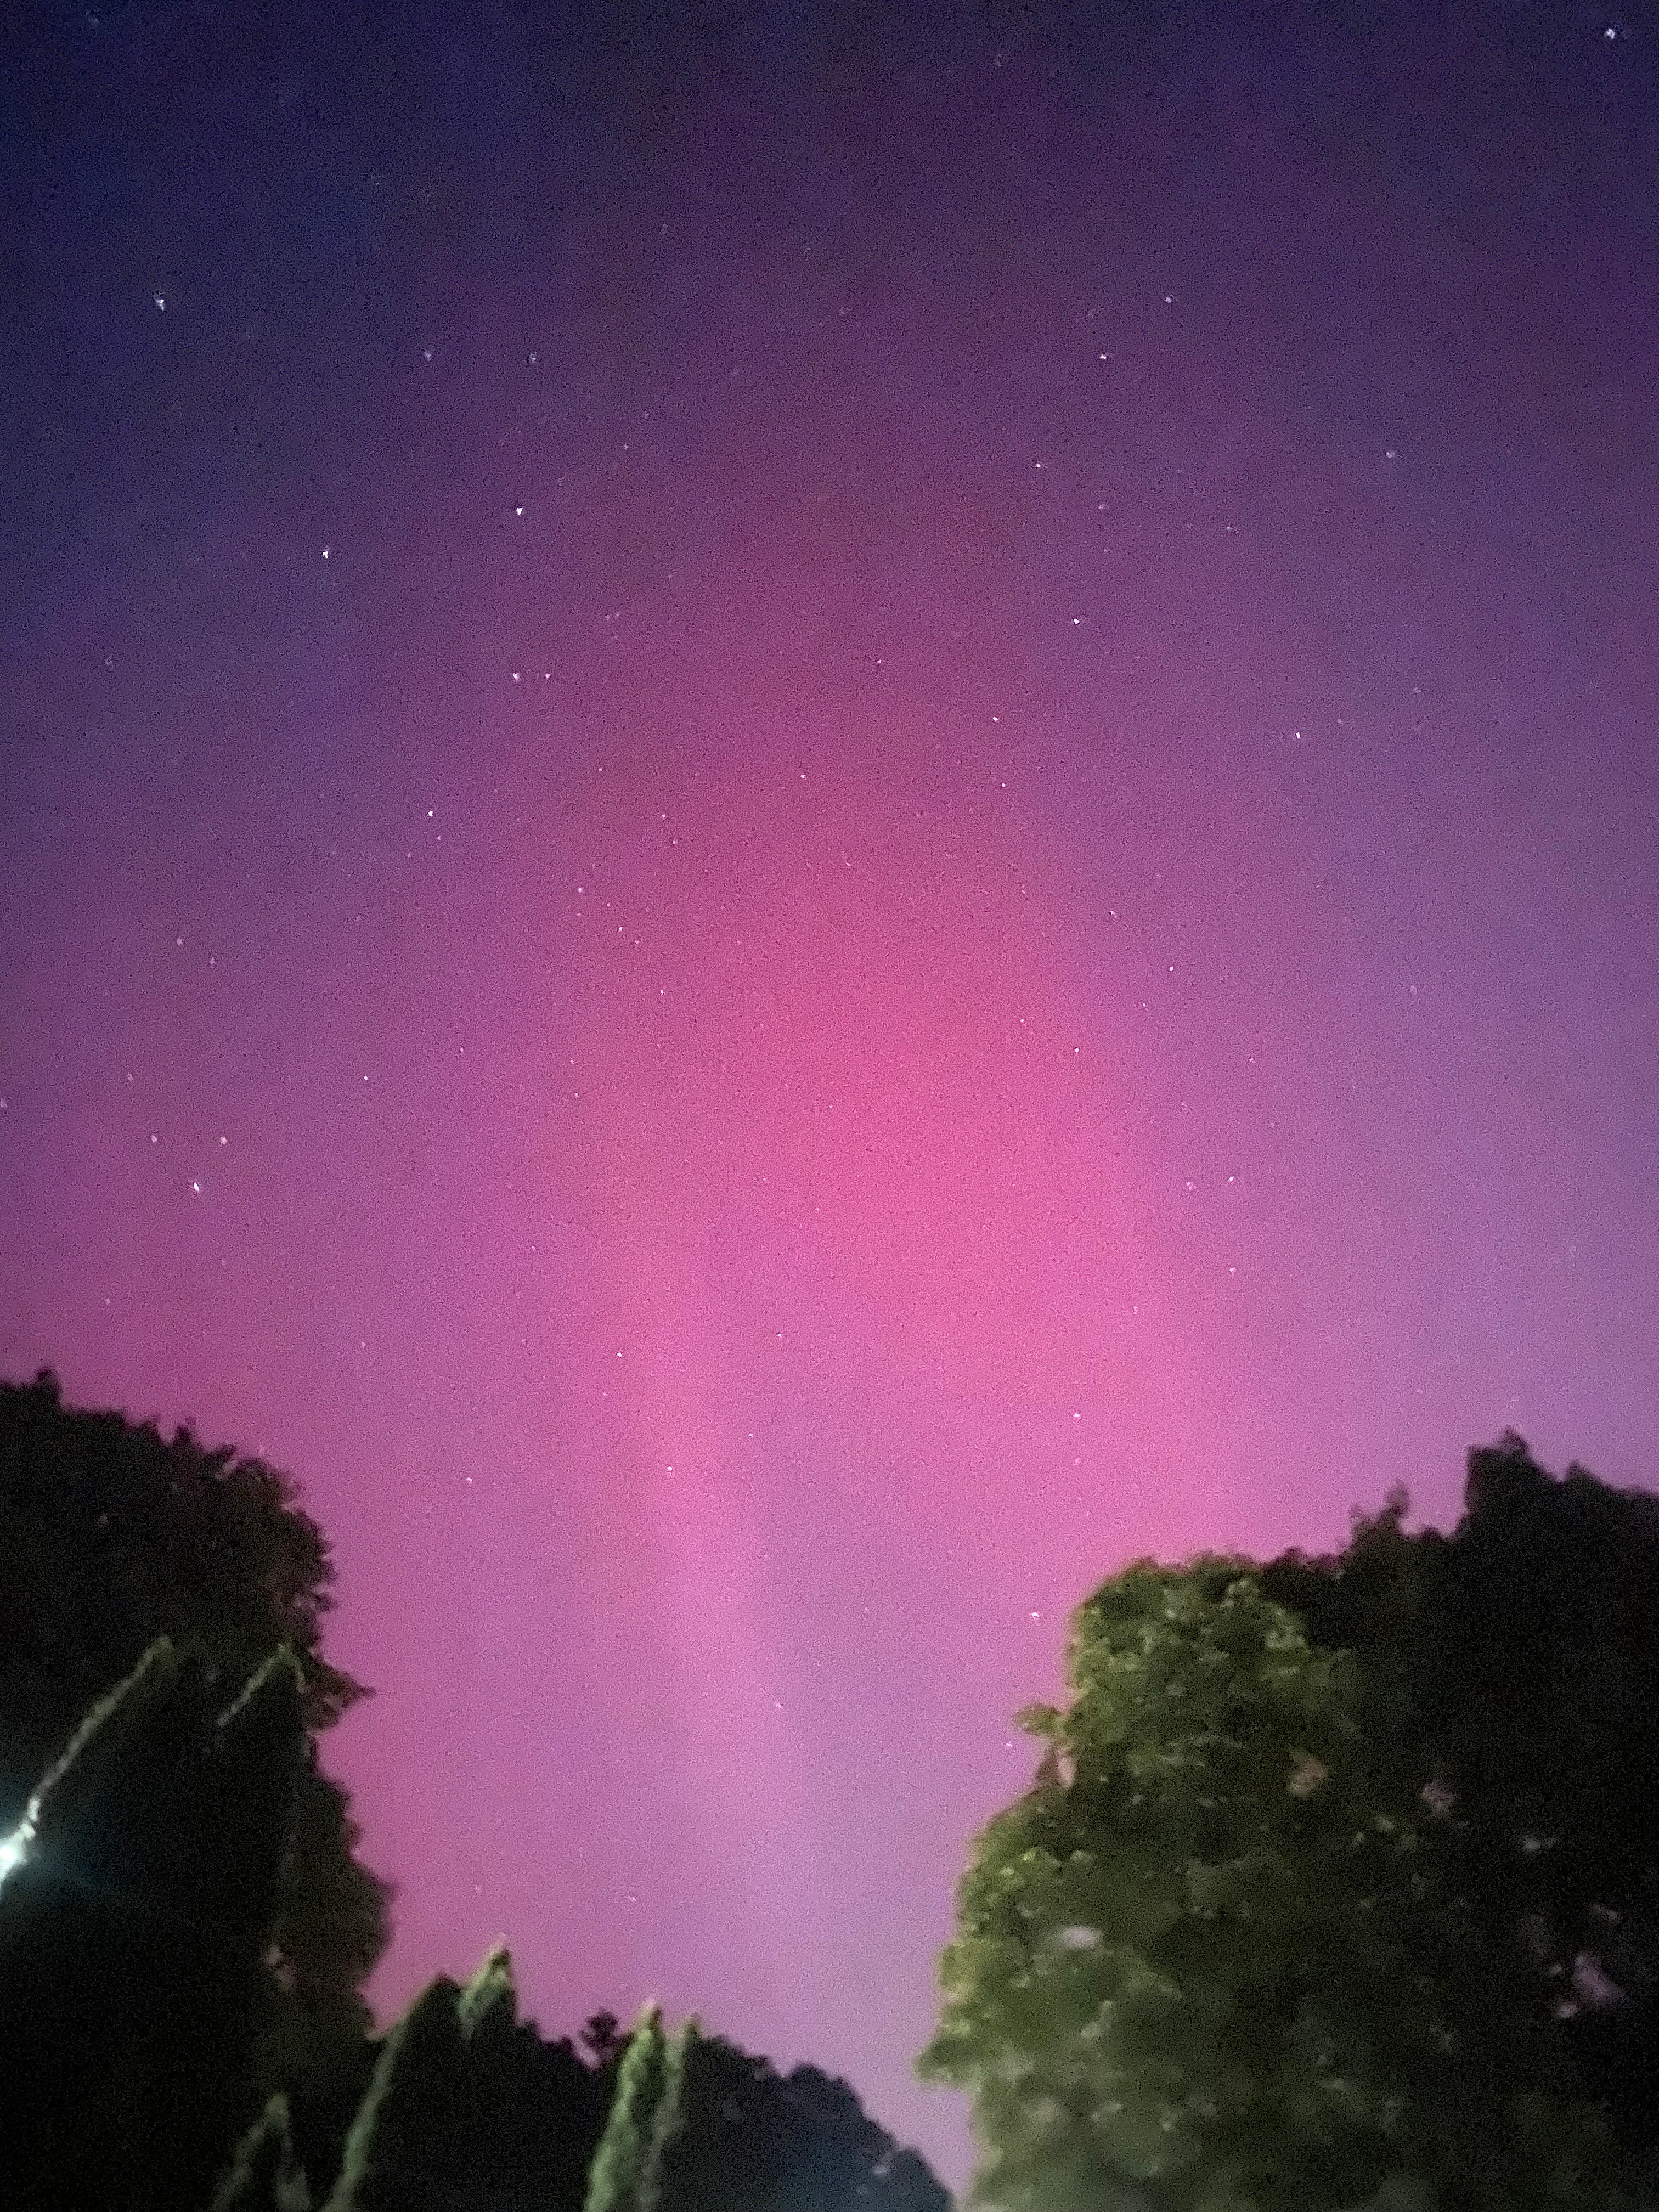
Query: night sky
point(809, 816)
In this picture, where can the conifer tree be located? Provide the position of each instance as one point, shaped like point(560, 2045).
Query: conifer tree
point(406, 2124)
point(627, 2174)
point(115, 1536)
point(469, 2110)
point(264, 2175)
point(753, 2139)
point(140, 1889)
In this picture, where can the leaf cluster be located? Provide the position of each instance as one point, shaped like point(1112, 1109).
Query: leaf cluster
point(1519, 1657)
point(1221, 1954)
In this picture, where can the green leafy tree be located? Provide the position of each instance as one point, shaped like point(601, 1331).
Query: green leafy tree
point(110, 1536)
point(1512, 1670)
point(139, 1889)
point(1221, 1954)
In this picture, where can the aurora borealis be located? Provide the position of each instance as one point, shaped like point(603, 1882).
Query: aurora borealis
point(810, 816)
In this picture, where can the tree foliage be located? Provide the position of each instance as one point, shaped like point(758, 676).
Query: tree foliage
point(1520, 1656)
point(627, 2173)
point(753, 2139)
point(264, 2174)
point(110, 1536)
point(468, 2109)
point(1227, 1953)
point(140, 1888)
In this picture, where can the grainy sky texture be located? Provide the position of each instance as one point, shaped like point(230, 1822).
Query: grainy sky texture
point(810, 816)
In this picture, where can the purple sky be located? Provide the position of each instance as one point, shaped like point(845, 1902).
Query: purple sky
point(810, 816)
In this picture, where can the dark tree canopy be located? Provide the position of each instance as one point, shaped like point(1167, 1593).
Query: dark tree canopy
point(468, 2109)
point(752, 2140)
point(1523, 1651)
point(110, 1536)
point(137, 1900)
point(1335, 1885)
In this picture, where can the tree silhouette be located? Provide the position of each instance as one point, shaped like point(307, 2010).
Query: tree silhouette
point(1521, 1656)
point(468, 2109)
point(752, 2140)
point(264, 2175)
point(141, 1885)
point(604, 2037)
point(110, 1536)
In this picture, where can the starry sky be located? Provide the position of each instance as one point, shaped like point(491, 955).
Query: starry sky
point(810, 816)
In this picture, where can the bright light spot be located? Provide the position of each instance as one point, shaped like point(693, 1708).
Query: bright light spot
point(14, 1847)
point(1078, 1938)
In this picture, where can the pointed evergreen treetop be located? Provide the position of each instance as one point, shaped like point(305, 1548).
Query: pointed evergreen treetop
point(627, 2172)
point(415, 2078)
point(490, 2001)
point(264, 2176)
